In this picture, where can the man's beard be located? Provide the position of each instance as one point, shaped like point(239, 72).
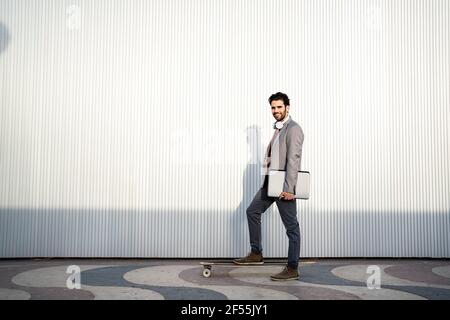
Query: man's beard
point(282, 116)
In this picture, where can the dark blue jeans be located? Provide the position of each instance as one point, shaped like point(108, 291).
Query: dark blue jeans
point(288, 212)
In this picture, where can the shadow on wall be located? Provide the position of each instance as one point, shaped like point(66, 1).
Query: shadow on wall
point(251, 182)
point(4, 37)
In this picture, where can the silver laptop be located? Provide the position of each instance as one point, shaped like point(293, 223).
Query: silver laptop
point(276, 182)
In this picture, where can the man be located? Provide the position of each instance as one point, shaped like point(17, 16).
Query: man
point(283, 153)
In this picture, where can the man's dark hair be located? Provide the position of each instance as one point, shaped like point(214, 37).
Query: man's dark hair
point(279, 96)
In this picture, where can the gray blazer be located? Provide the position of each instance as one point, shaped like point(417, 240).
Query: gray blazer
point(287, 153)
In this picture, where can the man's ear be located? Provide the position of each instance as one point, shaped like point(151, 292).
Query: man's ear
point(287, 108)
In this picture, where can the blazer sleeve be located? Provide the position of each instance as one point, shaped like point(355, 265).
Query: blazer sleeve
point(294, 143)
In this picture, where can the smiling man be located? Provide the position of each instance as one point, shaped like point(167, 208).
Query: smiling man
point(283, 153)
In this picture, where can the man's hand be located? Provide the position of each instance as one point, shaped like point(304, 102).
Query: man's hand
point(287, 196)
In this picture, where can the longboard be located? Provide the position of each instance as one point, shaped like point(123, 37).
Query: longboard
point(207, 265)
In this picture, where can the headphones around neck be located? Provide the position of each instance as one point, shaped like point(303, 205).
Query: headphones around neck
point(279, 124)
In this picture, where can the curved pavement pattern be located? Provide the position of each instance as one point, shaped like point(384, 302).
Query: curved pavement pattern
point(168, 279)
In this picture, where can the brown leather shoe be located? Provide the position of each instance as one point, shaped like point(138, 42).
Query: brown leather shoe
point(251, 258)
point(288, 273)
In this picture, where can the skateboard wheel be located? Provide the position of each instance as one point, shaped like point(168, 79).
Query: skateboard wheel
point(207, 272)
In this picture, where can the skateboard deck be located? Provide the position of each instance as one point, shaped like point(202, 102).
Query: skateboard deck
point(207, 265)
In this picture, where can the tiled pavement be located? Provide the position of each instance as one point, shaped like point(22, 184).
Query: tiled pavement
point(182, 279)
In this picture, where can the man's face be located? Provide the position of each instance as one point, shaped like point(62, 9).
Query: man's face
point(279, 110)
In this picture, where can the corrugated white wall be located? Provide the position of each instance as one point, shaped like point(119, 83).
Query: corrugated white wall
point(137, 128)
